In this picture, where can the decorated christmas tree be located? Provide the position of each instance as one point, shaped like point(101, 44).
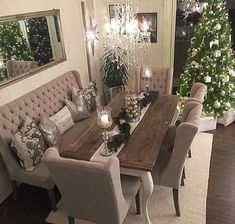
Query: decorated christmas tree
point(39, 40)
point(211, 60)
point(13, 45)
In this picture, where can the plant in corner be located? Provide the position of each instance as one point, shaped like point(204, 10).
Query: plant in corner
point(115, 71)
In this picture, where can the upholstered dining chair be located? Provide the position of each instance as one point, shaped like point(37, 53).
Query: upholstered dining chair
point(198, 92)
point(169, 165)
point(161, 80)
point(16, 68)
point(92, 191)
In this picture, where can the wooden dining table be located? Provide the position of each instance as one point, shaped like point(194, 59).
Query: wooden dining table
point(140, 153)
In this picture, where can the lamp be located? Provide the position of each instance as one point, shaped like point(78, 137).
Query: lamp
point(123, 35)
point(104, 120)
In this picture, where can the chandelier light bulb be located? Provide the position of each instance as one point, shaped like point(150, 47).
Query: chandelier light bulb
point(147, 73)
point(107, 28)
point(130, 28)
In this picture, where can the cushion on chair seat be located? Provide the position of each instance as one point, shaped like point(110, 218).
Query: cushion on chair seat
point(168, 142)
point(130, 187)
point(40, 177)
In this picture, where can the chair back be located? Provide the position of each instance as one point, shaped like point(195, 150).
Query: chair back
point(198, 92)
point(16, 68)
point(185, 134)
point(160, 81)
point(90, 191)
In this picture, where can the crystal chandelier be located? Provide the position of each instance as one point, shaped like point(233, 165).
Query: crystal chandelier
point(188, 6)
point(125, 37)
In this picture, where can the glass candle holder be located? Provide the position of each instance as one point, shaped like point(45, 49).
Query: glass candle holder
point(105, 121)
point(147, 75)
point(132, 107)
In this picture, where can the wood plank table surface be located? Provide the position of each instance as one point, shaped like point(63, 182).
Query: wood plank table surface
point(143, 147)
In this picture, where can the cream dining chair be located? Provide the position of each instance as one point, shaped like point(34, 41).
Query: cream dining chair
point(169, 165)
point(198, 92)
point(92, 191)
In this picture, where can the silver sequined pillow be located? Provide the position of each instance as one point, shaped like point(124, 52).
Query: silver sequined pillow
point(28, 145)
point(63, 119)
point(50, 132)
point(88, 94)
point(79, 112)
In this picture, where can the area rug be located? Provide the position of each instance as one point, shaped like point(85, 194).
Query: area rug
point(161, 208)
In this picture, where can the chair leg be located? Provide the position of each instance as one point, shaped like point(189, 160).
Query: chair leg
point(184, 176)
point(137, 201)
point(176, 201)
point(190, 153)
point(51, 195)
point(182, 180)
point(14, 189)
point(71, 220)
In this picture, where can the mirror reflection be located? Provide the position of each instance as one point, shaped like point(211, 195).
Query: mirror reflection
point(29, 43)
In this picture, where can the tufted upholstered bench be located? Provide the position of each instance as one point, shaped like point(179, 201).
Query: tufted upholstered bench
point(45, 100)
point(15, 67)
point(160, 81)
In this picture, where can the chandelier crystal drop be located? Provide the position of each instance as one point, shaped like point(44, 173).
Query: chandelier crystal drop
point(188, 6)
point(125, 36)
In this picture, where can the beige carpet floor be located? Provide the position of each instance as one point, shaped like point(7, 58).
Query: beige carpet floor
point(161, 209)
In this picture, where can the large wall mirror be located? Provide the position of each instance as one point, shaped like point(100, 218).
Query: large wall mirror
point(29, 43)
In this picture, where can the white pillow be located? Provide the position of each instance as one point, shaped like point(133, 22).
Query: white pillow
point(63, 119)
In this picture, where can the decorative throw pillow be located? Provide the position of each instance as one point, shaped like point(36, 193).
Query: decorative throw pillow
point(89, 95)
point(28, 145)
point(50, 132)
point(63, 120)
point(78, 112)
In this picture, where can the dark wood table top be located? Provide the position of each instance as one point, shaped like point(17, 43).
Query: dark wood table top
point(142, 149)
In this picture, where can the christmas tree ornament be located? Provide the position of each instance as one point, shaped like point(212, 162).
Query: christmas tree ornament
point(207, 79)
point(215, 42)
point(217, 53)
point(211, 90)
point(231, 72)
point(232, 95)
point(228, 105)
point(222, 93)
point(226, 79)
point(217, 27)
point(217, 104)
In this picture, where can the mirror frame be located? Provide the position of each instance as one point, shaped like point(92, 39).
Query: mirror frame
point(17, 17)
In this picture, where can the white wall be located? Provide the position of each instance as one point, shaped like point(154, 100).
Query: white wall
point(73, 38)
point(74, 48)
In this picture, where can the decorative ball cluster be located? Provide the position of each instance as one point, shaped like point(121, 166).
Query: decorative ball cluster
point(132, 107)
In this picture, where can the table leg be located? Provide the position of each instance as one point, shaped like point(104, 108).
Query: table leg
point(147, 186)
point(147, 189)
